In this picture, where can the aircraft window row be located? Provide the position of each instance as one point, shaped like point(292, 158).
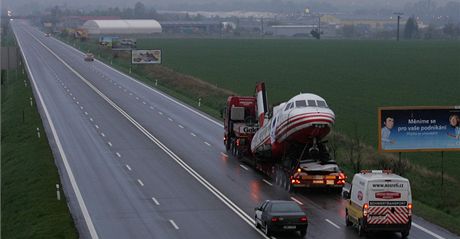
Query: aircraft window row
point(303, 103)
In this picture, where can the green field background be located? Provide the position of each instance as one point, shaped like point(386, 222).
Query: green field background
point(355, 77)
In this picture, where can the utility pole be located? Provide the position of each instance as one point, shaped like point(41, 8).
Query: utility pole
point(399, 18)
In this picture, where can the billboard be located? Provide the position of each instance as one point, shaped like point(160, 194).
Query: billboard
point(408, 129)
point(125, 44)
point(146, 56)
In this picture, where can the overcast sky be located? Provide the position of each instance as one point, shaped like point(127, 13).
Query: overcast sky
point(165, 4)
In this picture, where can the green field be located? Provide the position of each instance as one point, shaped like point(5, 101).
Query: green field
point(355, 77)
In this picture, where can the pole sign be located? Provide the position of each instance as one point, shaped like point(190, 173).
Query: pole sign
point(146, 56)
point(410, 129)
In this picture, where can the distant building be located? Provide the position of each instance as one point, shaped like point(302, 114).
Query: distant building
point(122, 27)
point(191, 27)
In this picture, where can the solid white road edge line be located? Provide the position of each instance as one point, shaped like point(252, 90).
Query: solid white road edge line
point(73, 183)
point(248, 219)
point(333, 224)
point(427, 231)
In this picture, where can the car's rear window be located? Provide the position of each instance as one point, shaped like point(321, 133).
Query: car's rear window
point(285, 207)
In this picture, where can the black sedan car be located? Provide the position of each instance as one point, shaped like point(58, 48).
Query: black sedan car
point(277, 215)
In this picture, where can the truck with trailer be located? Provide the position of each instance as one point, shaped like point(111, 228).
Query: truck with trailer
point(290, 149)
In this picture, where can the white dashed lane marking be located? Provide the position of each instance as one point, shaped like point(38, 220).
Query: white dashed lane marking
point(102, 134)
point(155, 201)
point(267, 182)
point(333, 224)
point(296, 200)
point(128, 167)
point(174, 224)
point(244, 167)
point(140, 182)
point(208, 144)
point(118, 154)
point(192, 134)
point(97, 126)
point(109, 143)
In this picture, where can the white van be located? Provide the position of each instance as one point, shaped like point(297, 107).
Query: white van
point(379, 201)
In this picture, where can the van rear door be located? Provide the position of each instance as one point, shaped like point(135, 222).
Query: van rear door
point(388, 202)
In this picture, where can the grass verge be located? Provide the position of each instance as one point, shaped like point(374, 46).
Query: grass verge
point(29, 207)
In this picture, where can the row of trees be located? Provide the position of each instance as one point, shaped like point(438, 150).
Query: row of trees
point(411, 30)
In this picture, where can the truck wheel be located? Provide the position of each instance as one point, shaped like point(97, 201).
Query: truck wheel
point(404, 234)
point(347, 219)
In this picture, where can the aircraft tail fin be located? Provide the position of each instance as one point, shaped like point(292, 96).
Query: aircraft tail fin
point(262, 105)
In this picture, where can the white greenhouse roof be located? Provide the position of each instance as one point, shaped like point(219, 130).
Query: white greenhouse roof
point(122, 26)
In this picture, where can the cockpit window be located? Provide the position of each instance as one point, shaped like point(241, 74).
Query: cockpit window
point(312, 103)
point(291, 105)
point(322, 103)
point(287, 106)
point(300, 104)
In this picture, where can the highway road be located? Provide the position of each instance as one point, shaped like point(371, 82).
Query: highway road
point(136, 163)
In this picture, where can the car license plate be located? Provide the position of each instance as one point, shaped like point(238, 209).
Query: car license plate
point(289, 227)
point(318, 181)
point(330, 182)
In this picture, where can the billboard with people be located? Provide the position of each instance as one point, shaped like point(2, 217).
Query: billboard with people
point(405, 129)
point(146, 56)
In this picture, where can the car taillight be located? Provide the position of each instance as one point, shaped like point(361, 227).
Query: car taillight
point(365, 209)
point(303, 219)
point(295, 181)
point(238, 142)
point(341, 178)
point(275, 219)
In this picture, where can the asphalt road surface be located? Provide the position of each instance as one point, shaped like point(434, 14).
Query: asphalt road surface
point(136, 163)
